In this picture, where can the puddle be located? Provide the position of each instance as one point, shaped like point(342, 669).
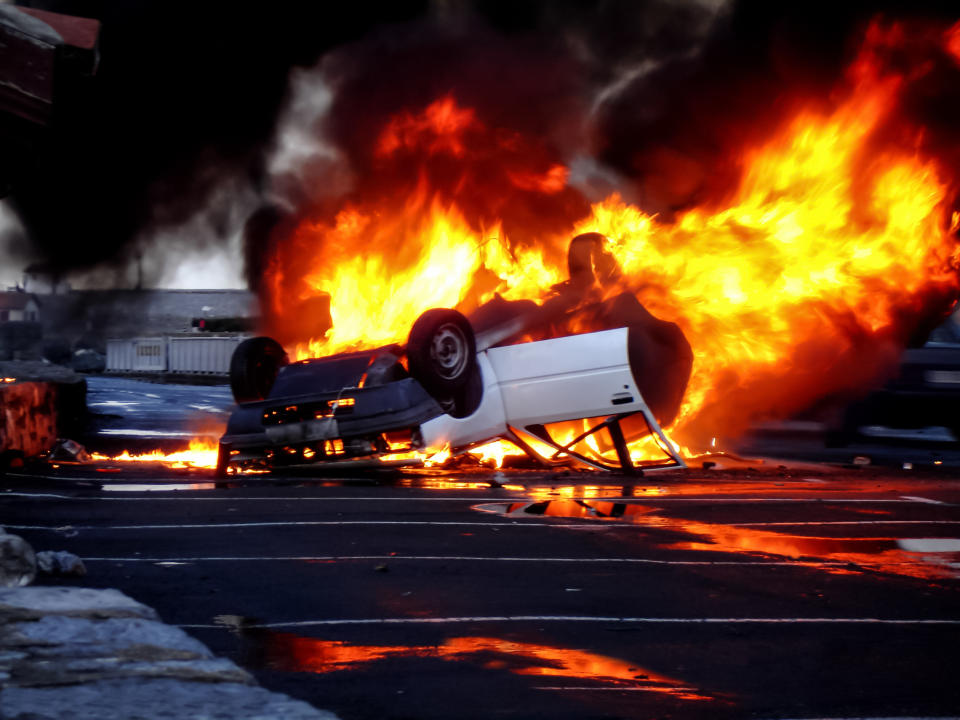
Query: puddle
point(928, 559)
point(428, 483)
point(768, 488)
point(572, 508)
point(293, 653)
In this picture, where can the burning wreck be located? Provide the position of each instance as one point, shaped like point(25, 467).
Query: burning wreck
point(763, 200)
point(460, 383)
point(830, 245)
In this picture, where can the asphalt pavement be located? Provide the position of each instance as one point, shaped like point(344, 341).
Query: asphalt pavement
point(750, 589)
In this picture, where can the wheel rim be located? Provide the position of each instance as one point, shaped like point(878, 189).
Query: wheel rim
point(449, 351)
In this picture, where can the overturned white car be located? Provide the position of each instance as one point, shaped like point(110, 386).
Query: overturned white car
point(462, 382)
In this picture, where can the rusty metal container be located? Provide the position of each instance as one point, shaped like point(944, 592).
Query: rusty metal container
point(28, 418)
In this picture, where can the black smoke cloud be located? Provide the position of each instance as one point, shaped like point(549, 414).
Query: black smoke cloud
point(533, 70)
point(188, 94)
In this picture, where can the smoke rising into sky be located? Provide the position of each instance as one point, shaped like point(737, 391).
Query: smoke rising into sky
point(205, 114)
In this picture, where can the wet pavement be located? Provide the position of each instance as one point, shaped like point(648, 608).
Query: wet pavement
point(773, 591)
point(142, 416)
point(750, 589)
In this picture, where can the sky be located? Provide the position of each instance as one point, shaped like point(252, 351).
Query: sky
point(210, 266)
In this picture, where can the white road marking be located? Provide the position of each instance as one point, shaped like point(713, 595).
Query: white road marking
point(462, 558)
point(217, 526)
point(208, 408)
point(179, 482)
point(9, 493)
point(522, 523)
point(134, 432)
point(150, 488)
point(923, 500)
point(160, 487)
point(930, 545)
point(847, 522)
point(647, 688)
point(585, 619)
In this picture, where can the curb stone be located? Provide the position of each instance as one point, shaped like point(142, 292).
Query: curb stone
point(100, 655)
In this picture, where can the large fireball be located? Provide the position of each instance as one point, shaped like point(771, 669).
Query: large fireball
point(804, 280)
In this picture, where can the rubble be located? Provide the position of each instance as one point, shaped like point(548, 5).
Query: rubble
point(33, 603)
point(18, 564)
point(53, 562)
point(69, 450)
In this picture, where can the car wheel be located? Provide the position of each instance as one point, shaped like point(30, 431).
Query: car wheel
point(442, 352)
point(254, 367)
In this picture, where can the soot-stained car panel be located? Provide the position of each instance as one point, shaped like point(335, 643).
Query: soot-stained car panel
point(317, 410)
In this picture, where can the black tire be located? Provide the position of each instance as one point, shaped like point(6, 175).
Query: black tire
point(442, 352)
point(254, 367)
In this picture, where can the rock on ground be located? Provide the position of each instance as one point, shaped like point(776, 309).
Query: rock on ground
point(18, 564)
point(60, 562)
point(97, 654)
point(37, 602)
point(154, 700)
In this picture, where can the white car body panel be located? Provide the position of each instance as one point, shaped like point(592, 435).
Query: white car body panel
point(567, 378)
point(488, 422)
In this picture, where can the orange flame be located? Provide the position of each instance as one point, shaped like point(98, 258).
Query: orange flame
point(952, 42)
point(202, 453)
point(791, 289)
point(440, 128)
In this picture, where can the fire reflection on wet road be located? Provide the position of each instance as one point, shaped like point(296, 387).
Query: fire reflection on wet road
point(906, 556)
point(295, 653)
point(779, 592)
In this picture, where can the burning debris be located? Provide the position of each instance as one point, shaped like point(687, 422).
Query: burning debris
point(201, 453)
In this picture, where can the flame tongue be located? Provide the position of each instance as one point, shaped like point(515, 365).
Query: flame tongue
point(822, 242)
point(202, 453)
point(802, 282)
